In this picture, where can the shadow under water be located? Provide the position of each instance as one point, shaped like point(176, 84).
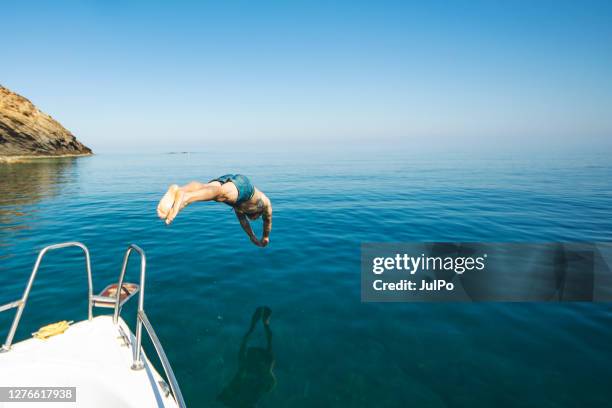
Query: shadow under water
point(255, 375)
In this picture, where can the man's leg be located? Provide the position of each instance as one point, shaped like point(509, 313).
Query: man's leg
point(192, 192)
point(196, 185)
point(177, 198)
point(196, 191)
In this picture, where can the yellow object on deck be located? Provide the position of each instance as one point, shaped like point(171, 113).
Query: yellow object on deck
point(52, 329)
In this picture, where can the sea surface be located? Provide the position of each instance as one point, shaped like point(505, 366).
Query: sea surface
point(205, 279)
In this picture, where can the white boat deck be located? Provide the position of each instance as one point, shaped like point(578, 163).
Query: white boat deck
point(91, 356)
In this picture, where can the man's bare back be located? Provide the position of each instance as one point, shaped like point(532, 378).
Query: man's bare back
point(235, 190)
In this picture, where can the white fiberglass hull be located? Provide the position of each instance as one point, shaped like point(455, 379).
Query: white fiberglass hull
point(93, 356)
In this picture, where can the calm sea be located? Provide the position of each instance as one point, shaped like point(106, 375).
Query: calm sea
point(205, 278)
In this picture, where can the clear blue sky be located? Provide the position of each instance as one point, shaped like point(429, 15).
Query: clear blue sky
point(183, 75)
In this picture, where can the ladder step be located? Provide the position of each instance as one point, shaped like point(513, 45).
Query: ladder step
point(108, 296)
point(103, 301)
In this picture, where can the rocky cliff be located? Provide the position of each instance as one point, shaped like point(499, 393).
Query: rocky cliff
point(26, 131)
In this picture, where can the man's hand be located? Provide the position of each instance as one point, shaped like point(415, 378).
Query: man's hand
point(256, 241)
point(260, 243)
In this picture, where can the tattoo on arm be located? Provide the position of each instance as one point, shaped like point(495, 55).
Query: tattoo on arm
point(260, 204)
point(267, 220)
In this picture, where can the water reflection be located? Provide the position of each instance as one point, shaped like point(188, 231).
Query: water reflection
point(23, 184)
point(255, 375)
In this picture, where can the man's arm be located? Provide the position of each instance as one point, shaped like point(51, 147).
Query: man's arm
point(246, 226)
point(267, 224)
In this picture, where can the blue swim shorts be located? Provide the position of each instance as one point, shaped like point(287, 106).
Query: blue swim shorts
point(242, 183)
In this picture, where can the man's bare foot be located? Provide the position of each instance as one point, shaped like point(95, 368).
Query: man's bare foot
point(178, 205)
point(165, 204)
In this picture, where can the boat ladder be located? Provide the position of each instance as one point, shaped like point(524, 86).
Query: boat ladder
point(113, 296)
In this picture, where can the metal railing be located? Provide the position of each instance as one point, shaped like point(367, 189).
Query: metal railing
point(141, 317)
point(176, 391)
point(21, 303)
point(143, 268)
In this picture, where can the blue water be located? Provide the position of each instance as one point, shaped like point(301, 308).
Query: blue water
point(205, 278)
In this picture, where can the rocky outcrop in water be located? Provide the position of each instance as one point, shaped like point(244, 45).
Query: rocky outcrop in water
point(26, 131)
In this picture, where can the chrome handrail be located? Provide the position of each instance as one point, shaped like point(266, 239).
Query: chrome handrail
point(141, 318)
point(143, 267)
point(10, 305)
point(176, 391)
point(21, 303)
point(137, 363)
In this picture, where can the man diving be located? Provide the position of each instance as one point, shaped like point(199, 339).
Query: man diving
point(235, 190)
